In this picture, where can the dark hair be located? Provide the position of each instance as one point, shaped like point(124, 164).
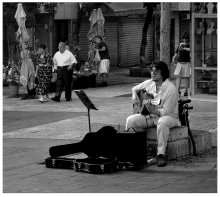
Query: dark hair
point(43, 46)
point(185, 35)
point(99, 37)
point(162, 66)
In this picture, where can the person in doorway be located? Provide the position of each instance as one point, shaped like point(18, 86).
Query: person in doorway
point(44, 73)
point(163, 116)
point(182, 60)
point(104, 59)
point(27, 78)
point(63, 62)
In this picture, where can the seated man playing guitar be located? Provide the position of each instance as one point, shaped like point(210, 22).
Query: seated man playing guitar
point(163, 114)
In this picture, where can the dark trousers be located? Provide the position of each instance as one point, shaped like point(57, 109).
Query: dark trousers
point(31, 92)
point(64, 79)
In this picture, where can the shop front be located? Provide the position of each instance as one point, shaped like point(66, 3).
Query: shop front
point(204, 49)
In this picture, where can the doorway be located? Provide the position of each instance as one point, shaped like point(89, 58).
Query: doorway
point(61, 32)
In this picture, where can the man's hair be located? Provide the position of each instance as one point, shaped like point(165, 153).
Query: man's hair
point(162, 66)
point(62, 43)
point(99, 37)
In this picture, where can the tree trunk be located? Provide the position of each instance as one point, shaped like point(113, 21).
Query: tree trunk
point(165, 33)
point(147, 22)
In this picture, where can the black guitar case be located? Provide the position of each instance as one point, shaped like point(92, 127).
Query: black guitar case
point(91, 165)
point(116, 147)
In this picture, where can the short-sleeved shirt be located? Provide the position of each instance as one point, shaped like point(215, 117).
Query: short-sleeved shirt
point(64, 59)
point(183, 55)
point(103, 54)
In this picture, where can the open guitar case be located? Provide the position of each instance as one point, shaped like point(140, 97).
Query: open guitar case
point(104, 151)
point(91, 165)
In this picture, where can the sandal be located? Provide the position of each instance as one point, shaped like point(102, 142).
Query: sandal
point(41, 99)
point(47, 98)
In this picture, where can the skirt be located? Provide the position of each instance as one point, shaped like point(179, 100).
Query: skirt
point(44, 80)
point(183, 69)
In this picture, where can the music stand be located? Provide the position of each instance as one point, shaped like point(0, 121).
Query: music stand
point(87, 102)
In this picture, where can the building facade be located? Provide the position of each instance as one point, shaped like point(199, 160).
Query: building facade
point(123, 32)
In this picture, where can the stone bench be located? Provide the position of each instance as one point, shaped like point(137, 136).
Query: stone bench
point(179, 143)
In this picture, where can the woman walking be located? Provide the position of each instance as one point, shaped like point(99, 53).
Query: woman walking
point(44, 73)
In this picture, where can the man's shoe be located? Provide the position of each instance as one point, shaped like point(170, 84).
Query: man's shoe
point(25, 97)
point(28, 97)
point(104, 84)
point(185, 94)
point(69, 99)
point(55, 99)
point(161, 161)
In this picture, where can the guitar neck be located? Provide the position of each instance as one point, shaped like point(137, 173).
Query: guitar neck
point(67, 149)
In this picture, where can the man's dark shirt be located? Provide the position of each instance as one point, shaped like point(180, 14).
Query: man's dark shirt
point(103, 54)
point(183, 55)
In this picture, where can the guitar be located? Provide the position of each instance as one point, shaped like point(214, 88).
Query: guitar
point(144, 97)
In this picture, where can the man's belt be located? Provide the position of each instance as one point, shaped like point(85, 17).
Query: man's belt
point(63, 66)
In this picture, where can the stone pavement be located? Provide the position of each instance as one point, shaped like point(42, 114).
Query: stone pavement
point(30, 128)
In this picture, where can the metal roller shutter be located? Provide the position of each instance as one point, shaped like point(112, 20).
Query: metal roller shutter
point(184, 26)
point(123, 38)
point(83, 40)
point(111, 39)
point(130, 35)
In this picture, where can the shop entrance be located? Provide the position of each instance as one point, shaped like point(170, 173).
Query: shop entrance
point(61, 32)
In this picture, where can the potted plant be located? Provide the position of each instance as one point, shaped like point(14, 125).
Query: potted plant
point(12, 74)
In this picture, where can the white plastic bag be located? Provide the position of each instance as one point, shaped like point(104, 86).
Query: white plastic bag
point(97, 56)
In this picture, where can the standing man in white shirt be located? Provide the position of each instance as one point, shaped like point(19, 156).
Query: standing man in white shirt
point(163, 116)
point(63, 62)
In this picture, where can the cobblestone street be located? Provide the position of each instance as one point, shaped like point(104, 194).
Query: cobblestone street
point(150, 70)
point(36, 127)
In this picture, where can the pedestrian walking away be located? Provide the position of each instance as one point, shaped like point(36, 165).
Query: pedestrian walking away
point(44, 73)
point(164, 114)
point(182, 60)
point(64, 62)
point(102, 49)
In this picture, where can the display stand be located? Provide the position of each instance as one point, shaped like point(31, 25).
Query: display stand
point(204, 54)
point(87, 102)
